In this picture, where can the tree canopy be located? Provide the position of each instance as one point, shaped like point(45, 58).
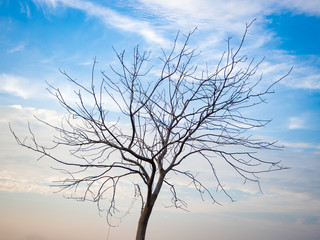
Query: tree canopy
point(188, 112)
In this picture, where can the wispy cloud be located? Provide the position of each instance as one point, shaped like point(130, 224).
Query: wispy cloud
point(221, 13)
point(222, 18)
point(216, 19)
point(20, 172)
point(215, 14)
point(111, 18)
point(24, 8)
point(308, 7)
point(296, 123)
point(22, 185)
point(16, 85)
point(17, 113)
point(306, 77)
point(19, 86)
point(301, 145)
point(17, 48)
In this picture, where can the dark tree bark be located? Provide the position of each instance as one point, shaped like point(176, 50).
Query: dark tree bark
point(187, 113)
point(147, 210)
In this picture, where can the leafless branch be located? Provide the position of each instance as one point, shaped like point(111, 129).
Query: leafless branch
point(186, 114)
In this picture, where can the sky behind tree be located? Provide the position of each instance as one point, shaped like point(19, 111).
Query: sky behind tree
point(39, 37)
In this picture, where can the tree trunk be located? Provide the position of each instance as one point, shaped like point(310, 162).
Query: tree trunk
point(146, 212)
point(143, 221)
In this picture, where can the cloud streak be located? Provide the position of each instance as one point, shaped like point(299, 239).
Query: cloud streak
point(296, 123)
point(18, 48)
point(15, 184)
point(17, 86)
point(220, 13)
point(20, 172)
point(216, 19)
point(301, 145)
point(111, 18)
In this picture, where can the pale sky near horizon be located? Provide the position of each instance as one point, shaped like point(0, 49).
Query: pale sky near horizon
point(39, 37)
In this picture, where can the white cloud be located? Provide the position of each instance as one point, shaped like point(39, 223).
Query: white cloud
point(13, 182)
point(216, 19)
point(222, 18)
point(304, 77)
point(20, 172)
point(309, 7)
point(219, 13)
point(48, 3)
point(296, 123)
point(304, 74)
point(301, 145)
point(17, 86)
point(17, 48)
point(24, 8)
point(18, 114)
point(112, 18)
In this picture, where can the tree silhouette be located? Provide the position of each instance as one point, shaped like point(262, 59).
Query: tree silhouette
point(189, 113)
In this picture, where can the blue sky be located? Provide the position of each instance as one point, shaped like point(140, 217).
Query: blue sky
point(39, 37)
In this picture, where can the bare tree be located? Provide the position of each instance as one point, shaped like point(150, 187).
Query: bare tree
point(190, 112)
